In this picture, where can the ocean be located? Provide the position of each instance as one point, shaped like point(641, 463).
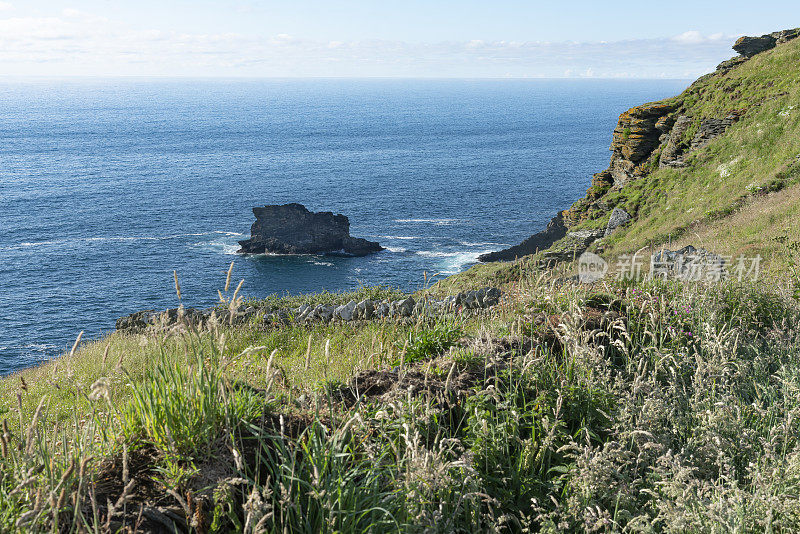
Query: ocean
point(108, 185)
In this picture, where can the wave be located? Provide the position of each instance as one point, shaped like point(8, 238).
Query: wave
point(482, 244)
point(436, 254)
point(403, 237)
point(116, 239)
point(437, 222)
point(453, 262)
point(458, 262)
point(396, 249)
point(321, 263)
point(228, 249)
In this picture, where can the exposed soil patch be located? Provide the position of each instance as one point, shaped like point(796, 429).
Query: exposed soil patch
point(442, 378)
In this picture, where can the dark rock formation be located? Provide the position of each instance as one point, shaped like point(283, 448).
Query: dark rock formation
point(138, 321)
point(556, 229)
point(728, 64)
point(619, 217)
point(711, 129)
point(672, 154)
point(292, 229)
point(750, 46)
point(676, 148)
point(398, 309)
point(637, 134)
point(155, 321)
point(143, 320)
point(572, 246)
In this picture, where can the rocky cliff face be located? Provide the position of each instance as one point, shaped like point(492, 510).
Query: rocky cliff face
point(555, 230)
point(649, 137)
point(750, 46)
point(292, 229)
point(638, 133)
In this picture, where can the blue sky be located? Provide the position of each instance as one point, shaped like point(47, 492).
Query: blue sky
point(359, 38)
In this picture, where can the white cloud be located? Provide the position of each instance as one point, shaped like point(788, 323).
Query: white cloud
point(75, 42)
point(6, 6)
point(695, 37)
point(690, 37)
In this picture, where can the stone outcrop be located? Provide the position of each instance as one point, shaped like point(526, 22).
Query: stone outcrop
point(619, 217)
point(710, 129)
point(674, 147)
point(729, 64)
point(142, 321)
point(637, 134)
point(556, 229)
point(750, 46)
point(378, 310)
point(292, 229)
point(688, 263)
point(151, 320)
point(573, 245)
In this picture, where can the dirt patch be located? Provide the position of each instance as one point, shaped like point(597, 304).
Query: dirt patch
point(146, 507)
point(443, 379)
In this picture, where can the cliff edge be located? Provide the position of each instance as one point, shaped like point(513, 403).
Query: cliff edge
point(690, 159)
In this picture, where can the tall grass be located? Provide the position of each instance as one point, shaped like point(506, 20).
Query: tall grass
point(677, 412)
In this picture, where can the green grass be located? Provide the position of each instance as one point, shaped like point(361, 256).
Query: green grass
point(377, 293)
point(756, 156)
point(686, 400)
point(426, 343)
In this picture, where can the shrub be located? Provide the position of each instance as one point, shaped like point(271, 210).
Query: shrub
point(182, 408)
point(428, 342)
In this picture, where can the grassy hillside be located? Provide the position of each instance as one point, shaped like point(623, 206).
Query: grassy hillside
point(739, 170)
point(641, 406)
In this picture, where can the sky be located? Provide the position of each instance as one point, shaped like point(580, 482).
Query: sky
point(379, 38)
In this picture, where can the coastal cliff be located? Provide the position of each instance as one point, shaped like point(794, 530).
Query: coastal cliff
point(674, 165)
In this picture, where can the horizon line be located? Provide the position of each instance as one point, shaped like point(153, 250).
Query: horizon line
point(465, 78)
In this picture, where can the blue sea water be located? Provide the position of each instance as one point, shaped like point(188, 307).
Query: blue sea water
point(108, 185)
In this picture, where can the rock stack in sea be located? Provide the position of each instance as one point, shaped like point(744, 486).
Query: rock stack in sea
point(292, 229)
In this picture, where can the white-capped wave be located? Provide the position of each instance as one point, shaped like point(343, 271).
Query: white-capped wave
point(436, 253)
point(396, 249)
point(321, 263)
point(453, 262)
point(438, 222)
point(482, 244)
point(403, 237)
point(219, 246)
